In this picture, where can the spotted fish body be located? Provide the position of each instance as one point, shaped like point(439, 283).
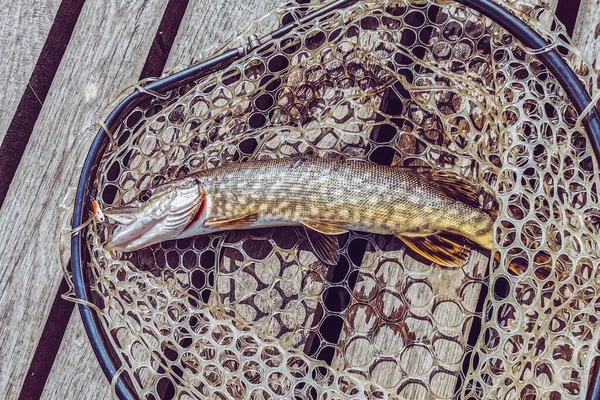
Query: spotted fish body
point(429, 211)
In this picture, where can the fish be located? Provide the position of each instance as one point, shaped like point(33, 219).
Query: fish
point(435, 213)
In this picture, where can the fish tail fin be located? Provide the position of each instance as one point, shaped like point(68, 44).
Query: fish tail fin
point(519, 265)
point(445, 249)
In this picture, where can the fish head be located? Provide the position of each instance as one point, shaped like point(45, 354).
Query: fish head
point(158, 214)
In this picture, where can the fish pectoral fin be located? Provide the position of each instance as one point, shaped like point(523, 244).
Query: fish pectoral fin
point(325, 227)
point(326, 247)
point(444, 248)
point(232, 223)
point(321, 236)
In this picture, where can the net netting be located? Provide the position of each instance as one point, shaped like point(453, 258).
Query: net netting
point(254, 314)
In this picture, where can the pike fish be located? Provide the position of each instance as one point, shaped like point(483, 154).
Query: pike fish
point(435, 213)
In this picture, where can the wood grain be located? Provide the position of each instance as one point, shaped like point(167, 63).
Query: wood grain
point(587, 31)
point(76, 373)
point(551, 4)
point(397, 333)
point(24, 26)
point(106, 53)
point(208, 23)
point(204, 23)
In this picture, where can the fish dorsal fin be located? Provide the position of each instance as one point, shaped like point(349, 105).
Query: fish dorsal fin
point(232, 223)
point(444, 248)
point(326, 247)
point(450, 183)
point(325, 227)
point(456, 187)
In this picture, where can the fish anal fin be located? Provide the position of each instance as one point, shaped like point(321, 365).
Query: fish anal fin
point(325, 227)
point(326, 247)
point(445, 249)
point(232, 223)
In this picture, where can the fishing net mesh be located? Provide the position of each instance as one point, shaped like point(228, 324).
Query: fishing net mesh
point(254, 314)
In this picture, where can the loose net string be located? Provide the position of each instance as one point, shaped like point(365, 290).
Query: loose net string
point(254, 314)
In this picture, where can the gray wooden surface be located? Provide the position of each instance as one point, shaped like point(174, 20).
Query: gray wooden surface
point(587, 31)
point(106, 54)
point(76, 373)
point(24, 26)
point(207, 23)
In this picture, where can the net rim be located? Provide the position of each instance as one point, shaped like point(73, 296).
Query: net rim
point(495, 12)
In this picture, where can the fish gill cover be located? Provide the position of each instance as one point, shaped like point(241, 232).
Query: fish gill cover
point(254, 314)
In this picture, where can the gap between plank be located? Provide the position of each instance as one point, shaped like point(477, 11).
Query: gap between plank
point(48, 346)
point(27, 112)
point(567, 12)
point(164, 39)
point(60, 313)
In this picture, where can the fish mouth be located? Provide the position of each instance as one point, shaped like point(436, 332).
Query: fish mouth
point(123, 240)
point(154, 222)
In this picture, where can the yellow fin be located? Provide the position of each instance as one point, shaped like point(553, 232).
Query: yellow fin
point(519, 266)
point(324, 227)
point(444, 249)
point(326, 247)
point(232, 223)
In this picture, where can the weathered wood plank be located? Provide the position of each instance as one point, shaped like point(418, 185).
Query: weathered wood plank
point(65, 380)
point(398, 333)
point(298, 313)
point(204, 24)
point(24, 26)
point(551, 4)
point(105, 54)
point(207, 23)
point(587, 31)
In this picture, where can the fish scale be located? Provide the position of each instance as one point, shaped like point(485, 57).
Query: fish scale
point(368, 197)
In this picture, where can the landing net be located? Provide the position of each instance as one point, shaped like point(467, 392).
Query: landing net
point(254, 314)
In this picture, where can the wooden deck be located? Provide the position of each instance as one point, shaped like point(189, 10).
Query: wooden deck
point(62, 63)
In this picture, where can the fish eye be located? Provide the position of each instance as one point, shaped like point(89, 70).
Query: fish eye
point(145, 195)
